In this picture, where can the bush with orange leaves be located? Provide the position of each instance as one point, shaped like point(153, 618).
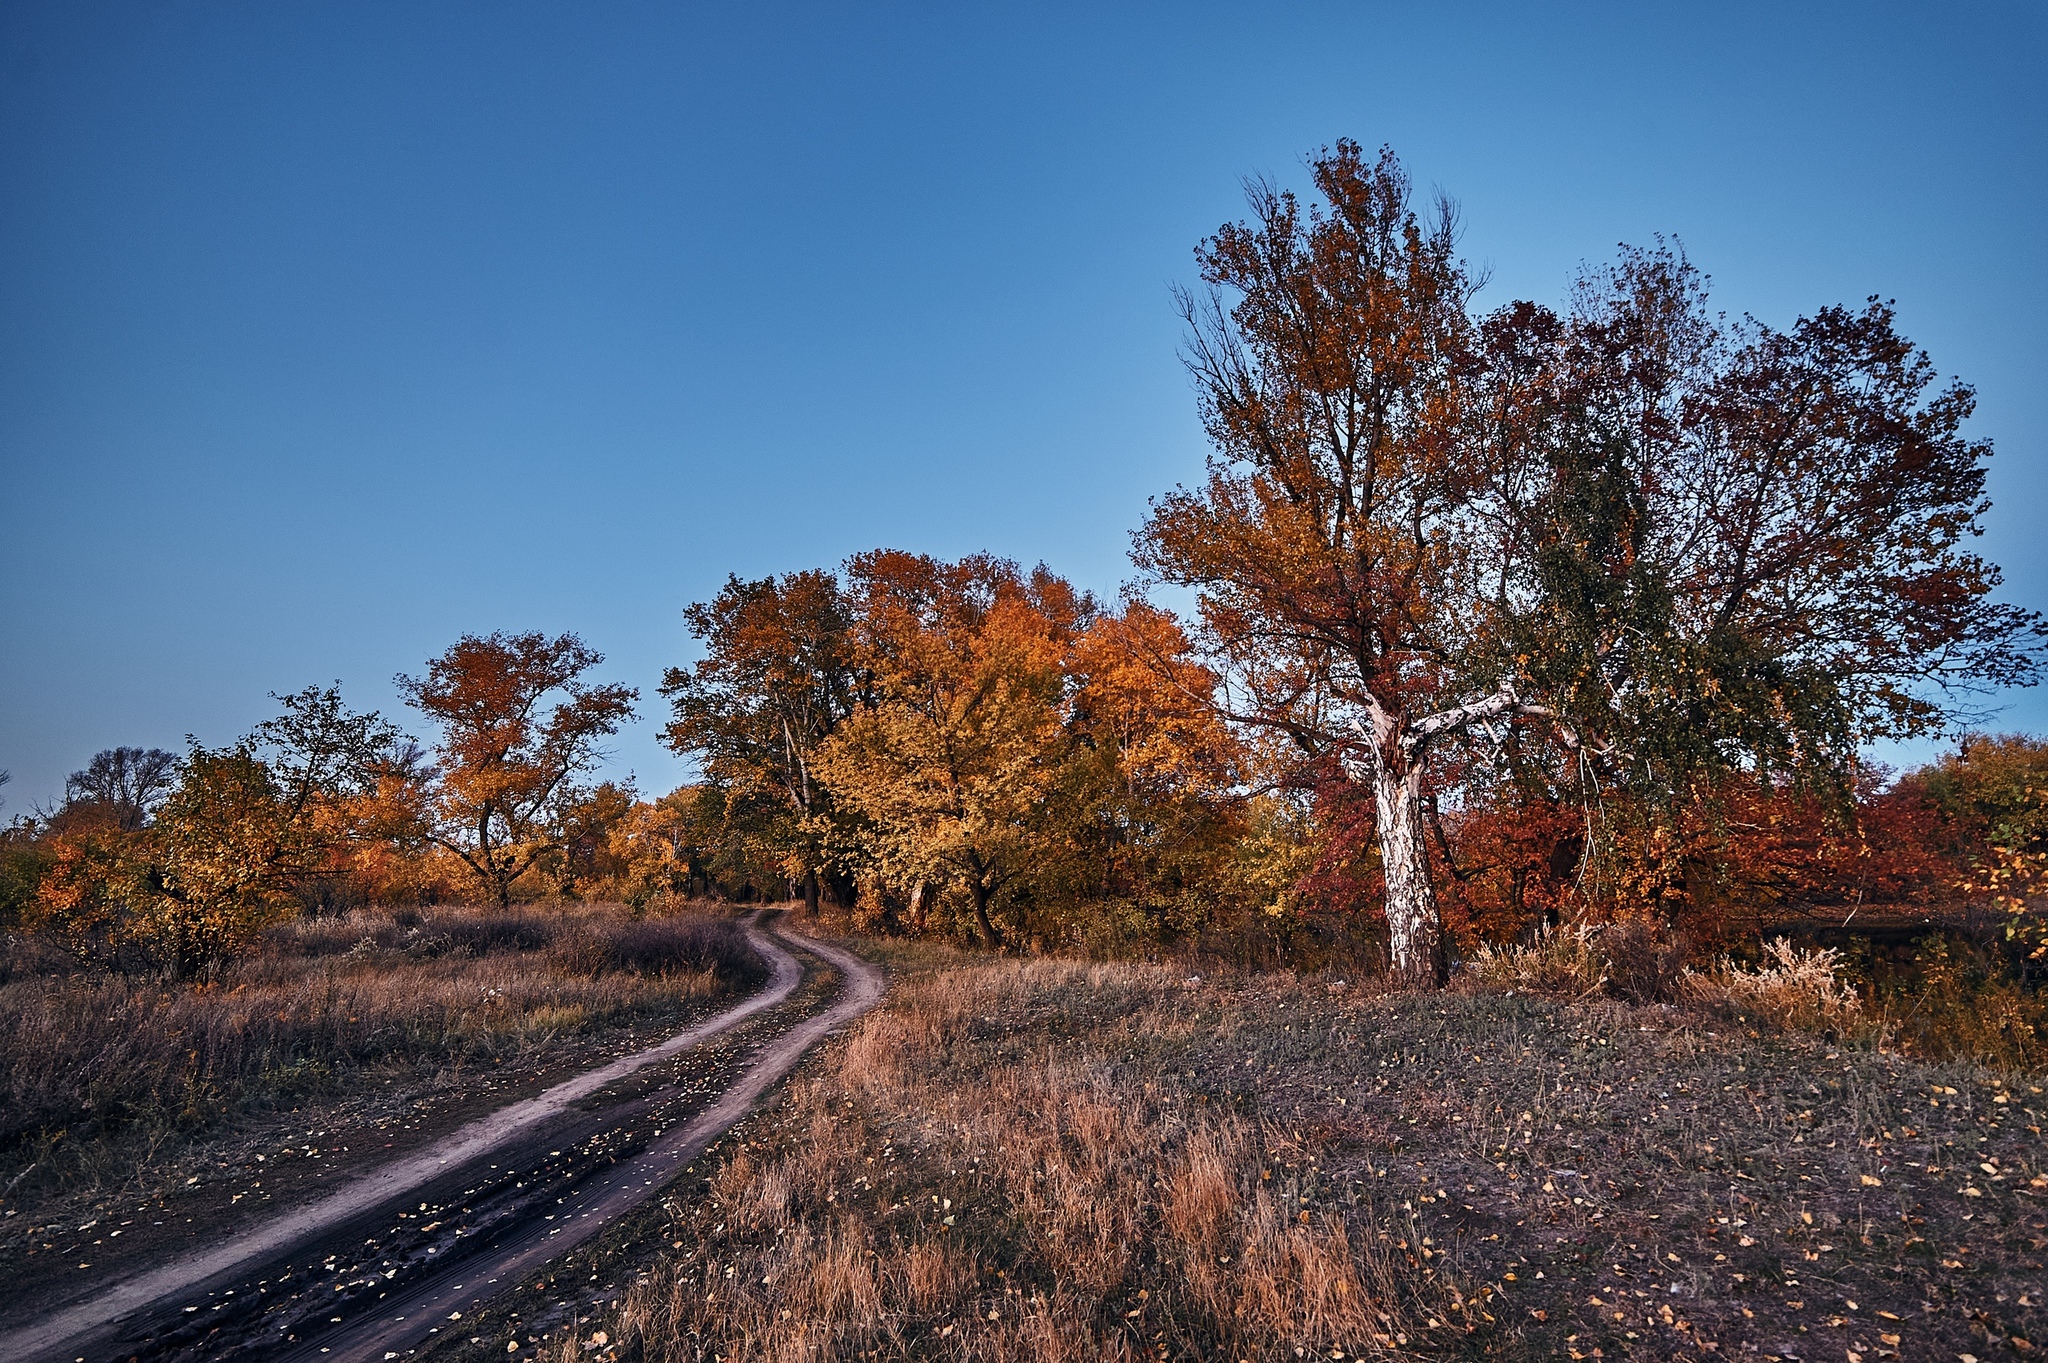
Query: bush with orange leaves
point(1732, 857)
point(221, 857)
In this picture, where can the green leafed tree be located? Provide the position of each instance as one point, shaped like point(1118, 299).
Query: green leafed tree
point(778, 677)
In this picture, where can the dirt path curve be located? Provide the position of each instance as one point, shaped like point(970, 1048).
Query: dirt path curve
point(404, 1322)
point(62, 1334)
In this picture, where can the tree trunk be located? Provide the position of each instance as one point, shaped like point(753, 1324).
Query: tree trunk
point(989, 935)
point(811, 891)
point(840, 889)
point(1415, 930)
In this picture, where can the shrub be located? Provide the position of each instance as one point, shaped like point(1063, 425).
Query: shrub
point(1964, 1004)
point(486, 933)
point(1632, 961)
point(1792, 988)
point(663, 946)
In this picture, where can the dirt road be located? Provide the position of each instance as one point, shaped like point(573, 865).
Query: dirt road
point(502, 1195)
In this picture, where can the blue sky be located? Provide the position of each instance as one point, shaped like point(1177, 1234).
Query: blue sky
point(331, 332)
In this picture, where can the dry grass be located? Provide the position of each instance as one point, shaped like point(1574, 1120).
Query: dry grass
point(987, 1170)
point(1559, 961)
point(1954, 1002)
point(1632, 961)
point(1792, 988)
point(85, 1055)
point(1139, 1164)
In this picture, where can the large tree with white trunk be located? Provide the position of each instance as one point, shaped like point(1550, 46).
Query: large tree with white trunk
point(1655, 542)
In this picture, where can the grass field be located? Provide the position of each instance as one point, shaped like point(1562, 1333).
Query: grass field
point(1048, 1159)
point(116, 1087)
point(1056, 1159)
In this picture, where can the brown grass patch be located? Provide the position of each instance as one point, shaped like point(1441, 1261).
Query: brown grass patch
point(85, 1055)
point(1790, 988)
point(987, 1170)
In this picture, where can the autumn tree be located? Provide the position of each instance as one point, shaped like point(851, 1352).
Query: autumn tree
point(951, 764)
point(24, 860)
point(503, 778)
point(1146, 807)
point(1663, 546)
point(222, 858)
point(1989, 802)
point(657, 844)
point(778, 678)
point(951, 732)
point(1738, 553)
point(1330, 548)
point(240, 829)
point(590, 823)
point(1140, 694)
point(1992, 791)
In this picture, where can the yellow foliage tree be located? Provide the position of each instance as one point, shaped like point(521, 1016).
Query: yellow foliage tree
point(949, 770)
point(221, 856)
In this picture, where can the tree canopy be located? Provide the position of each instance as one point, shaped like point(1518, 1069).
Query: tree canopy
point(503, 775)
point(1658, 542)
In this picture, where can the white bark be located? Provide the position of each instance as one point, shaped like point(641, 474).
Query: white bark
point(1399, 751)
point(1419, 732)
point(1415, 930)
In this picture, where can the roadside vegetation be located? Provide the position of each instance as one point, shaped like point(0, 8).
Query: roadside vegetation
point(107, 1075)
point(1470, 924)
point(1048, 1159)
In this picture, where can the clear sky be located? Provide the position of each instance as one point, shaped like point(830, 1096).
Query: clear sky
point(331, 332)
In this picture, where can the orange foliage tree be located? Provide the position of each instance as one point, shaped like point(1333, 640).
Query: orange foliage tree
point(1151, 795)
point(657, 843)
point(960, 737)
point(1989, 803)
point(1652, 548)
point(502, 787)
point(950, 769)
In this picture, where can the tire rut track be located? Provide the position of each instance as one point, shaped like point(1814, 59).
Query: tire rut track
point(506, 1193)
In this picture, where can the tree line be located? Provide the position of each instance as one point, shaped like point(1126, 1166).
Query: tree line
point(176, 861)
point(912, 737)
point(1499, 616)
